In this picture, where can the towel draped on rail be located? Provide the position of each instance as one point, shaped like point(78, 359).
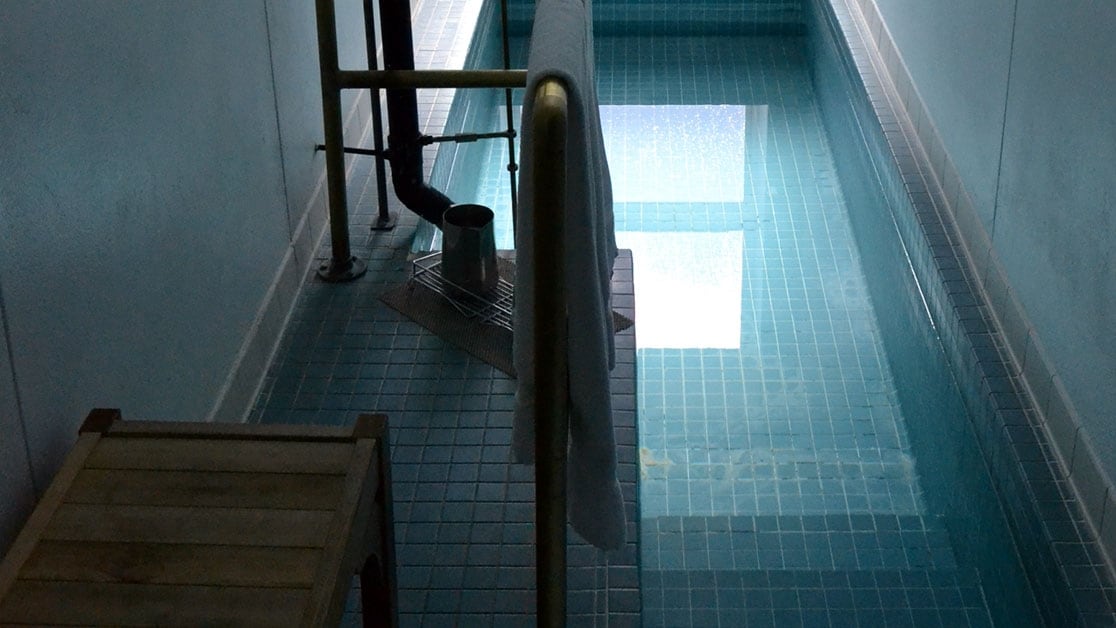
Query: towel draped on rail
point(562, 48)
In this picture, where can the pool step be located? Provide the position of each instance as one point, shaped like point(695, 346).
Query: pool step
point(809, 598)
point(834, 542)
point(811, 570)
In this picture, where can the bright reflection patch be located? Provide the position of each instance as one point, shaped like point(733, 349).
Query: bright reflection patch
point(675, 153)
point(687, 288)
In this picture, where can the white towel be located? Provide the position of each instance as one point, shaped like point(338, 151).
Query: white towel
point(562, 47)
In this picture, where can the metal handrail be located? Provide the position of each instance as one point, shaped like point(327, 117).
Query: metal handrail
point(551, 374)
point(548, 179)
point(343, 265)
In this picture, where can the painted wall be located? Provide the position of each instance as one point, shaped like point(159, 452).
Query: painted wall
point(158, 157)
point(1055, 223)
point(294, 53)
point(957, 51)
point(1048, 203)
point(17, 492)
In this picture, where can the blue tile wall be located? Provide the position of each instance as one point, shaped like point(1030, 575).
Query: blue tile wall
point(688, 17)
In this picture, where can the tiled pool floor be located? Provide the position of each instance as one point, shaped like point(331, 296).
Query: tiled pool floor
point(777, 481)
point(777, 484)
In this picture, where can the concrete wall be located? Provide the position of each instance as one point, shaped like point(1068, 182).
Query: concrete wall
point(160, 200)
point(17, 490)
point(958, 53)
point(1055, 228)
point(1016, 92)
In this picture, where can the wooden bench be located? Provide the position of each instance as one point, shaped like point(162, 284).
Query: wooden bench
point(201, 524)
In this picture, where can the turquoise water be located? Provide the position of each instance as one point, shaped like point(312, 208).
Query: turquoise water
point(778, 485)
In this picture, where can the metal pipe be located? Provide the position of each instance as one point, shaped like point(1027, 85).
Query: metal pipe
point(342, 265)
point(384, 219)
point(462, 138)
point(404, 136)
point(411, 78)
point(350, 150)
point(548, 178)
point(511, 121)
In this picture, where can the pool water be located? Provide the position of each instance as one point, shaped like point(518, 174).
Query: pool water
point(778, 485)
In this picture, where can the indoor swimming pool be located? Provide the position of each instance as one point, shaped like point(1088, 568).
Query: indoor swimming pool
point(799, 436)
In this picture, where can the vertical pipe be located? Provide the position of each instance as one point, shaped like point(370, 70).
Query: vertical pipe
point(378, 582)
point(404, 136)
point(511, 119)
point(550, 369)
point(384, 220)
point(343, 266)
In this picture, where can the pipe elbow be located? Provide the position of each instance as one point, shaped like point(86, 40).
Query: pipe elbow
point(416, 195)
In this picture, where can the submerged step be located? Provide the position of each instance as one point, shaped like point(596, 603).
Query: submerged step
point(834, 541)
point(879, 597)
point(736, 477)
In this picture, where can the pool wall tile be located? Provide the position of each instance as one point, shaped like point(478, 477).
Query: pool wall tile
point(1060, 422)
point(1015, 463)
point(1037, 378)
point(1108, 525)
point(698, 17)
point(1092, 489)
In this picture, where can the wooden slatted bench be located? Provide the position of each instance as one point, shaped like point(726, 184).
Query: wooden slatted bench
point(201, 524)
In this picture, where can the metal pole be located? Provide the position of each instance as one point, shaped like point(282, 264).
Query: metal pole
point(384, 220)
point(511, 121)
point(343, 266)
point(404, 133)
point(550, 369)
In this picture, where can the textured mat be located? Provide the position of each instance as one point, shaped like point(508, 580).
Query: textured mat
point(483, 341)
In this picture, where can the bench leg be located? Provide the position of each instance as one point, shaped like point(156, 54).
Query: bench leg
point(380, 607)
point(377, 595)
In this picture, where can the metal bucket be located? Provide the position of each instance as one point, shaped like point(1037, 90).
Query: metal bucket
point(469, 248)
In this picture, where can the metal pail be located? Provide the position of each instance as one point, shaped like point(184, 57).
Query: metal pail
point(469, 248)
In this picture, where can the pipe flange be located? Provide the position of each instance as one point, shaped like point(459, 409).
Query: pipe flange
point(340, 271)
point(384, 223)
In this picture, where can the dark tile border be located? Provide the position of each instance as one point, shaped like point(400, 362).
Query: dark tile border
point(1025, 355)
point(1017, 407)
point(685, 17)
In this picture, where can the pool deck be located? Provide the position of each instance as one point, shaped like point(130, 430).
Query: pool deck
point(463, 513)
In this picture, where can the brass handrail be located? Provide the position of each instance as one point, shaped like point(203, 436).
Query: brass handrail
point(548, 179)
point(548, 124)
